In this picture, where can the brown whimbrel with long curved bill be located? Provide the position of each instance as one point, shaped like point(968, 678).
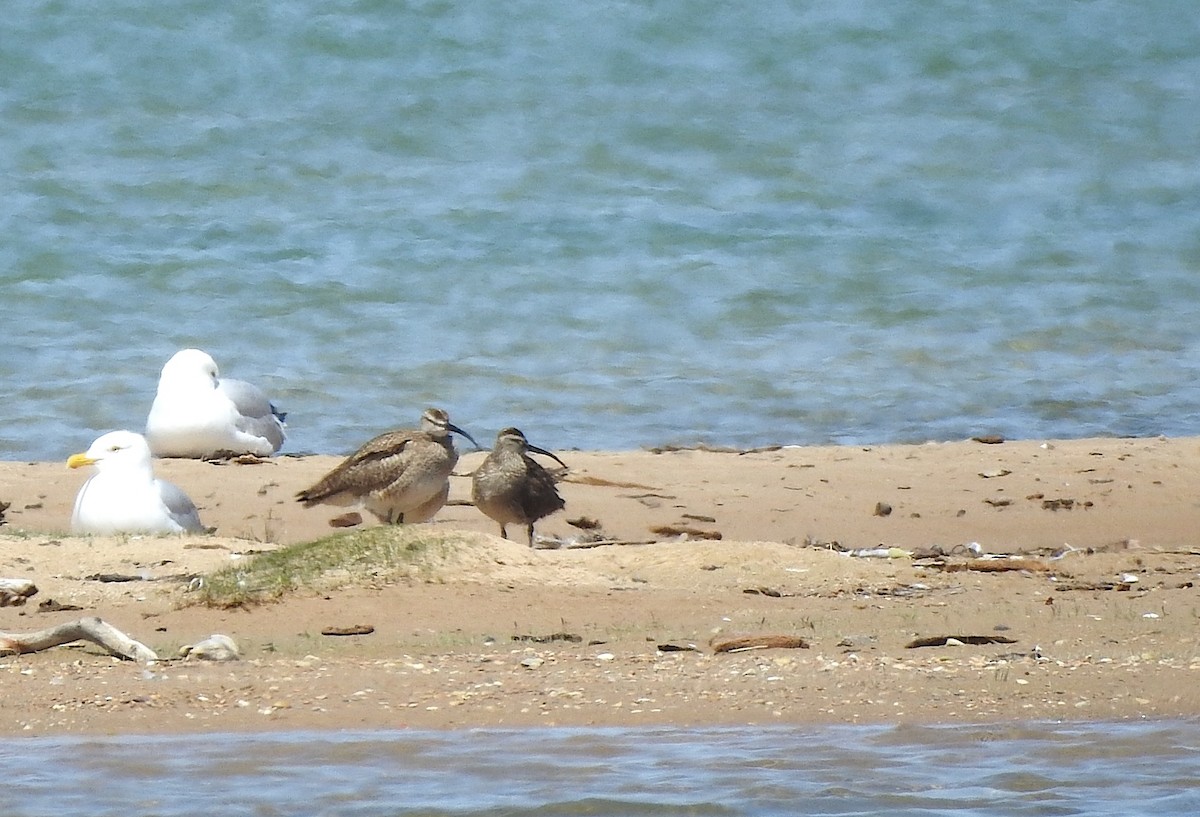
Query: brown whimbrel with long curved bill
point(399, 476)
point(510, 486)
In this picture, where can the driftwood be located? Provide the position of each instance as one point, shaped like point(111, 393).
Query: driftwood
point(352, 629)
point(957, 641)
point(606, 483)
point(551, 638)
point(90, 629)
point(685, 530)
point(599, 543)
point(760, 642)
point(15, 592)
point(994, 565)
point(346, 520)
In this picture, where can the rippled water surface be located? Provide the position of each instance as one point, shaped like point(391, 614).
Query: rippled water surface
point(612, 224)
point(1034, 769)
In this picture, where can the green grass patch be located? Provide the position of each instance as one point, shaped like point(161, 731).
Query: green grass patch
point(374, 554)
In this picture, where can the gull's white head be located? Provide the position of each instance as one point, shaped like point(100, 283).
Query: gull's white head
point(114, 450)
point(190, 365)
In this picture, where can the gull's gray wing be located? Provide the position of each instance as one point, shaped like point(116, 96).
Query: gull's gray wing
point(258, 416)
point(180, 506)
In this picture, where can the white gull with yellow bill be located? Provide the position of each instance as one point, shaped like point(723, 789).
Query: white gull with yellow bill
point(123, 496)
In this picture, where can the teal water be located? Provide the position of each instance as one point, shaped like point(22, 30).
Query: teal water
point(612, 224)
point(1041, 769)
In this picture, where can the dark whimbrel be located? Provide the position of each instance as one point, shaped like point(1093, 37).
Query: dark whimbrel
point(509, 486)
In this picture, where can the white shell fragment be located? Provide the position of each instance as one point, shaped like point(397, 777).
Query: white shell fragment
point(216, 647)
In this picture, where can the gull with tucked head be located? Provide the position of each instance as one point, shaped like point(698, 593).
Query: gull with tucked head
point(197, 414)
point(123, 495)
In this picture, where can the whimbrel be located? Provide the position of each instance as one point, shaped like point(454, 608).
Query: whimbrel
point(123, 496)
point(399, 476)
point(197, 414)
point(509, 486)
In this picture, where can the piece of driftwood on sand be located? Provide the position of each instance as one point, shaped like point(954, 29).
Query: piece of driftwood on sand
point(759, 642)
point(91, 629)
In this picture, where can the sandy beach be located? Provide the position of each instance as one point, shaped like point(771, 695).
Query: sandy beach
point(860, 553)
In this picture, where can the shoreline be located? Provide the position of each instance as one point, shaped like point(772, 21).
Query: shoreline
point(498, 635)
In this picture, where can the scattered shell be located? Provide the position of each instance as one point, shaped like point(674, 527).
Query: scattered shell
point(15, 592)
point(858, 642)
point(881, 553)
point(216, 647)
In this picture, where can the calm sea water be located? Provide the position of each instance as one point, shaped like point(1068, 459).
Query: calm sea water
point(1034, 769)
point(612, 224)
